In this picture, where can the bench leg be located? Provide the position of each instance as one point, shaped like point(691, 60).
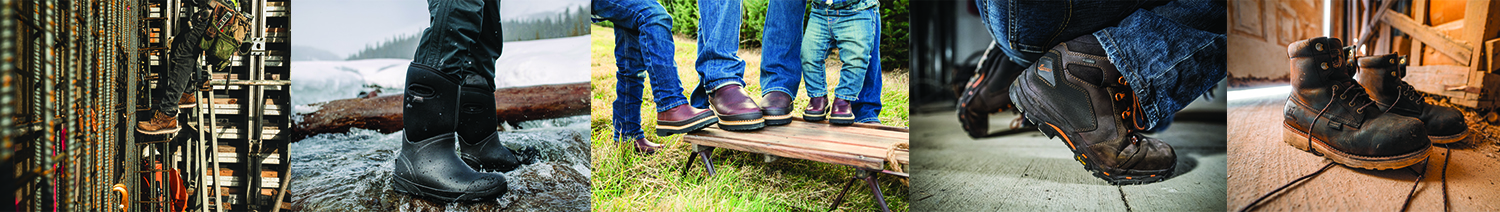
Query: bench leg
point(875, 189)
point(706, 152)
point(689, 165)
point(840, 198)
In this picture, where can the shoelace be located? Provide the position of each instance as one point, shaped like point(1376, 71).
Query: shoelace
point(1132, 114)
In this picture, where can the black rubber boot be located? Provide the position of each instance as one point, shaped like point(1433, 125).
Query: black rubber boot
point(479, 144)
point(430, 167)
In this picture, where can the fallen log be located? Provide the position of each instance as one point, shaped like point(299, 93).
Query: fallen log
point(383, 113)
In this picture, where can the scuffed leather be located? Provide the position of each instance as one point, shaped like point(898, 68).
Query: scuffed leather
point(1350, 122)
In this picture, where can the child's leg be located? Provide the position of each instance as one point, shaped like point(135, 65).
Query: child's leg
point(852, 34)
point(816, 41)
point(629, 81)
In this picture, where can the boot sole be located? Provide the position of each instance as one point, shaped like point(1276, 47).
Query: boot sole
point(1448, 139)
point(841, 120)
point(740, 125)
point(1112, 175)
point(1298, 139)
point(408, 187)
point(776, 120)
point(158, 132)
point(662, 130)
point(813, 117)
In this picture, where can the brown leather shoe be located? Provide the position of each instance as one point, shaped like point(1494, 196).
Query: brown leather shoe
point(646, 147)
point(841, 113)
point(160, 123)
point(188, 100)
point(1381, 76)
point(736, 110)
point(987, 92)
point(817, 109)
point(776, 107)
point(683, 119)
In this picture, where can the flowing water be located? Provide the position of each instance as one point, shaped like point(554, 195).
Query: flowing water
point(349, 171)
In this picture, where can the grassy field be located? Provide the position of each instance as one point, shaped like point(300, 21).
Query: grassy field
point(625, 181)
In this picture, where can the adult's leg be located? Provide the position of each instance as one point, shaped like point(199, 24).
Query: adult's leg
point(867, 108)
point(1169, 55)
point(718, 41)
point(1027, 29)
point(781, 56)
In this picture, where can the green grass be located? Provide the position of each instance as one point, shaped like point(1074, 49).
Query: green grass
point(625, 181)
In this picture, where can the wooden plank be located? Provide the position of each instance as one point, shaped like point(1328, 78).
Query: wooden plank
point(1480, 25)
point(789, 152)
point(1443, 80)
point(1419, 15)
point(819, 144)
point(792, 134)
point(1443, 44)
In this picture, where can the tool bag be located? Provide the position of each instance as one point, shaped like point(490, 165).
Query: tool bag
point(226, 30)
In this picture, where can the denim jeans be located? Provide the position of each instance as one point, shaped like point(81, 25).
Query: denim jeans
point(848, 30)
point(718, 42)
point(867, 108)
point(781, 53)
point(643, 46)
point(1167, 53)
point(464, 38)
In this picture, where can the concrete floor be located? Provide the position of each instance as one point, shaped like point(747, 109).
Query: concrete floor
point(1025, 171)
point(1260, 161)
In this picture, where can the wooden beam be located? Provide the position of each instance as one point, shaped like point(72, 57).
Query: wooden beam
point(1453, 49)
point(1480, 25)
point(1419, 13)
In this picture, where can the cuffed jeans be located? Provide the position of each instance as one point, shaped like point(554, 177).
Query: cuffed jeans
point(643, 46)
point(718, 42)
point(1169, 54)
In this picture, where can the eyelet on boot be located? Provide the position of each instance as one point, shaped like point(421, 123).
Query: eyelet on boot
point(1318, 46)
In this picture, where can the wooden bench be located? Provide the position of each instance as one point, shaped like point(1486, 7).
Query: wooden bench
point(864, 147)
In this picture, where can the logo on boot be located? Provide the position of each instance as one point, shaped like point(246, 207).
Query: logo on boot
point(1044, 68)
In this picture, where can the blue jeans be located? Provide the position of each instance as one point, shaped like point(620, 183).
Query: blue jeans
point(464, 38)
point(718, 42)
point(781, 59)
point(849, 31)
point(1165, 53)
point(643, 45)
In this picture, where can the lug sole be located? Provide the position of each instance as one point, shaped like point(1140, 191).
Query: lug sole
point(1298, 139)
point(1448, 139)
point(159, 131)
point(694, 126)
point(1114, 176)
point(402, 185)
point(813, 117)
point(841, 120)
point(776, 120)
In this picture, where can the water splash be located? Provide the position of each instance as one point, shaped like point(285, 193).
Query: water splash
point(349, 171)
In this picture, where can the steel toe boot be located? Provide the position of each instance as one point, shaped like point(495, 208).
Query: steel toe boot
point(776, 106)
point(1381, 76)
point(817, 109)
point(1074, 92)
point(683, 119)
point(160, 123)
point(1330, 114)
point(988, 92)
point(427, 165)
point(841, 112)
point(736, 110)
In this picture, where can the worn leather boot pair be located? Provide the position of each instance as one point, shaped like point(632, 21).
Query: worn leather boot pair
point(440, 112)
point(1381, 76)
point(1330, 114)
point(1075, 92)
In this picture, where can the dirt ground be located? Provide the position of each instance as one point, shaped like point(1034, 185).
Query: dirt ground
point(1260, 161)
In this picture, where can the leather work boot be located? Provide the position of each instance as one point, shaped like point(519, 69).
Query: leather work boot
point(988, 92)
point(683, 119)
point(841, 113)
point(736, 111)
point(427, 165)
point(1329, 114)
point(160, 123)
point(1074, 92)
point(776, 106)
point(646, 147)
point(188, 100)
point(817, 109)
point(478, 142)
point(1381, 77)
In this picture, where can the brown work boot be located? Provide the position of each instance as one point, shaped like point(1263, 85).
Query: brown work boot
point(776, 106)
point(160, 123)
point(987, 92)
point(736, 110)
point(188, 100)
point(1074, 92)
point(683, 119)
point(841, 113)
point(817, 109)
point(645, 147)
point(1381, 77)
point(1331, 115)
